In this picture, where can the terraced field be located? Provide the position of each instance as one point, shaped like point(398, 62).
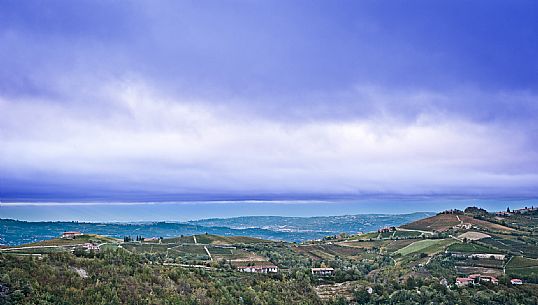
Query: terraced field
point(481, 262)
point(388, 235)
point(76, 241)
point(522, 267)
point(186, 252)
point(472, 248)
point(441, 222)
point(365, 244)
point(180, 239)
point(228, 240)
point(395, 245)
point(407, 234)
point(329, 251)
point(512, 245)
point(489, 226)
point(444, 222)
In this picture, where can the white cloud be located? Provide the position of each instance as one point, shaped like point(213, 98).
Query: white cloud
point(162, 143)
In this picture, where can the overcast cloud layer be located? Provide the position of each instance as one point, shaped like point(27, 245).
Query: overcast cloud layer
point(304, 99)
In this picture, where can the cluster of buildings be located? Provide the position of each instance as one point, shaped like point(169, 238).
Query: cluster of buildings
point(499, 257)
point(74, 234)
point(475, 279)
point(524, 210)
point(322, 272)
point(386, 230)
point(258, 269)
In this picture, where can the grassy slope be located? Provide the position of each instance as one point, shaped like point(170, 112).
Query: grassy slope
point(428, 246)
point(522, 267)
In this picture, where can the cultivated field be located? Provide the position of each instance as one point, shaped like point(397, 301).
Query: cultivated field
point(471, 248)
point(522, 267)
point(428, 246)
point(440, 223)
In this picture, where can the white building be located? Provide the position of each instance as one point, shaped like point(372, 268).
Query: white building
point(258, 269)
point(323, 271)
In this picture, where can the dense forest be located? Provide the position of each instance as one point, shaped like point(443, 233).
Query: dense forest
point(118, 277)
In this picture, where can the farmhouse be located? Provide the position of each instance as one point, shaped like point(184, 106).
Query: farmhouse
point(484, 278)
point(71, 234)
point(258, 269)
point(516, 282)
point(323, 271)
point(464, 281)
point(475, 279)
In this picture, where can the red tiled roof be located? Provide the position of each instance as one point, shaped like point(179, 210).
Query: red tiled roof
point(464, 279)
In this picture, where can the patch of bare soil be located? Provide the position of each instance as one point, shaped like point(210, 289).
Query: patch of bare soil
point(473, 235)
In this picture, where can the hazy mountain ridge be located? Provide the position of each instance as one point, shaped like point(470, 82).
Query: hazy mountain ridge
point(335, 224)
point(14, 232)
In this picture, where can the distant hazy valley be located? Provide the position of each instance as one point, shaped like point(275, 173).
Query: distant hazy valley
point(13, 232)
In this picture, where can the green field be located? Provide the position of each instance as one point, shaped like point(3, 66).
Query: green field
point(522, 262)
point(392, 246)
point(428, 246)
point(512, 245)
point(522, 267)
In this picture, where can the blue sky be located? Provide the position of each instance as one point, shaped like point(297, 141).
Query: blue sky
point(177, 100)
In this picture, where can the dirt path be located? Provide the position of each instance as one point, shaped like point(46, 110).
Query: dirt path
point(209, 254)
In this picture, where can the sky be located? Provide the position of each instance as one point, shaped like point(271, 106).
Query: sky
point(221, 100)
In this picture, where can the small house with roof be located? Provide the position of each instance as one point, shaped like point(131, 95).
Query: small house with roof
point(322, 271)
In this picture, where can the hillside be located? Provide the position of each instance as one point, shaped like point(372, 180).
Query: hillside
point(206, 268)
point(445, 222)
point(328, 224)
point(13, 232)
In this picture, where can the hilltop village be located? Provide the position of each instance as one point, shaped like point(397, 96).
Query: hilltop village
point(465, 257)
